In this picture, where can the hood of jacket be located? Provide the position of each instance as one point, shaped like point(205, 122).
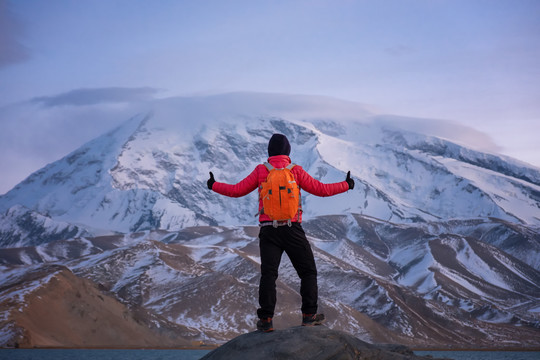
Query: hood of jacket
point(279, 161)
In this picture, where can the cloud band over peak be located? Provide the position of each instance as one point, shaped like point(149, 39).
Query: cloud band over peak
point(83, 97)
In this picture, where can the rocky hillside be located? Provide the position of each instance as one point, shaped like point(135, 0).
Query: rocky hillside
point(379, 281)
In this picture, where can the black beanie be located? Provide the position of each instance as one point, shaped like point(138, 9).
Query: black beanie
point(279, 145)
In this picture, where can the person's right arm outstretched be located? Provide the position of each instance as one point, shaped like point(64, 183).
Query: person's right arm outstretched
point(242, 188)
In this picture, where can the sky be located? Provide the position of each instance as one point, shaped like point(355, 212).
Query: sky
point(71, 70)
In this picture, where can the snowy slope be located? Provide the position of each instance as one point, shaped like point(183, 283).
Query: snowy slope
point(20, 226)
point(427, 291)
point(150, 173)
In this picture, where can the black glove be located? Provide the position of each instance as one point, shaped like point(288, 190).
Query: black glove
point(211, 181)
point(350, 181)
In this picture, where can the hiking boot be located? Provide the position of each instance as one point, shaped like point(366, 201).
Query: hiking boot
point(312, 319)
point(265, 325)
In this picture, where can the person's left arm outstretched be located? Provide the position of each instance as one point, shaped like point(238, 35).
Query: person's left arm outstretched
point(315, 187)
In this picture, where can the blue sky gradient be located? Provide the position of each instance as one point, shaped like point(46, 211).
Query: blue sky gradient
point(472, 61)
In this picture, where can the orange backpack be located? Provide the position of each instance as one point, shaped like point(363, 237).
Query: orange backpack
point(280, 194)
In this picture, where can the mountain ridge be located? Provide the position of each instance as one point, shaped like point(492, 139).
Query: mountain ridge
point(204, 279)
point(437, 242)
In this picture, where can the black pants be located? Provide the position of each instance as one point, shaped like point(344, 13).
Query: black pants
point(272, 243)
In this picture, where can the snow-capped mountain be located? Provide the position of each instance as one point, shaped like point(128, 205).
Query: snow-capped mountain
point(438, 242)
point(150, 173)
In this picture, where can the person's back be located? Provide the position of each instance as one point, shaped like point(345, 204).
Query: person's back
point(275, 236)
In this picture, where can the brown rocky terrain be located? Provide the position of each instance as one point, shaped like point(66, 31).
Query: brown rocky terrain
point(175, 289)
point(68, 311)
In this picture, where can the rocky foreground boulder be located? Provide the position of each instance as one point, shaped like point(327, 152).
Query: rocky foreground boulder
point(314, 343)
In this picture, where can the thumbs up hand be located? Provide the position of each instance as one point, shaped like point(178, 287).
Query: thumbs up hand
point(350, 181)
point(211, 181)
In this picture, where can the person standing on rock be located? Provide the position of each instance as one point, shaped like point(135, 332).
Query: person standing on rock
point(278, 236)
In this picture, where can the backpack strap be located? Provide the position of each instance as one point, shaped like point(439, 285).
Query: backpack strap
point(268, 166)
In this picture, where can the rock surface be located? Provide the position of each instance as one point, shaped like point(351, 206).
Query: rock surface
point(314, 343)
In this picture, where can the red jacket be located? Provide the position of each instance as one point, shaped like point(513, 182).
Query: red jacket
point(259, 174)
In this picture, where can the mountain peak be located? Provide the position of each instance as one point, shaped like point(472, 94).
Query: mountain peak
point(150, 172)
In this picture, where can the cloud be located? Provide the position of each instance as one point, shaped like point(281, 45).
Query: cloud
point(83, 97)
point(446, 129)
point(11, 49)
point(31, 136)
